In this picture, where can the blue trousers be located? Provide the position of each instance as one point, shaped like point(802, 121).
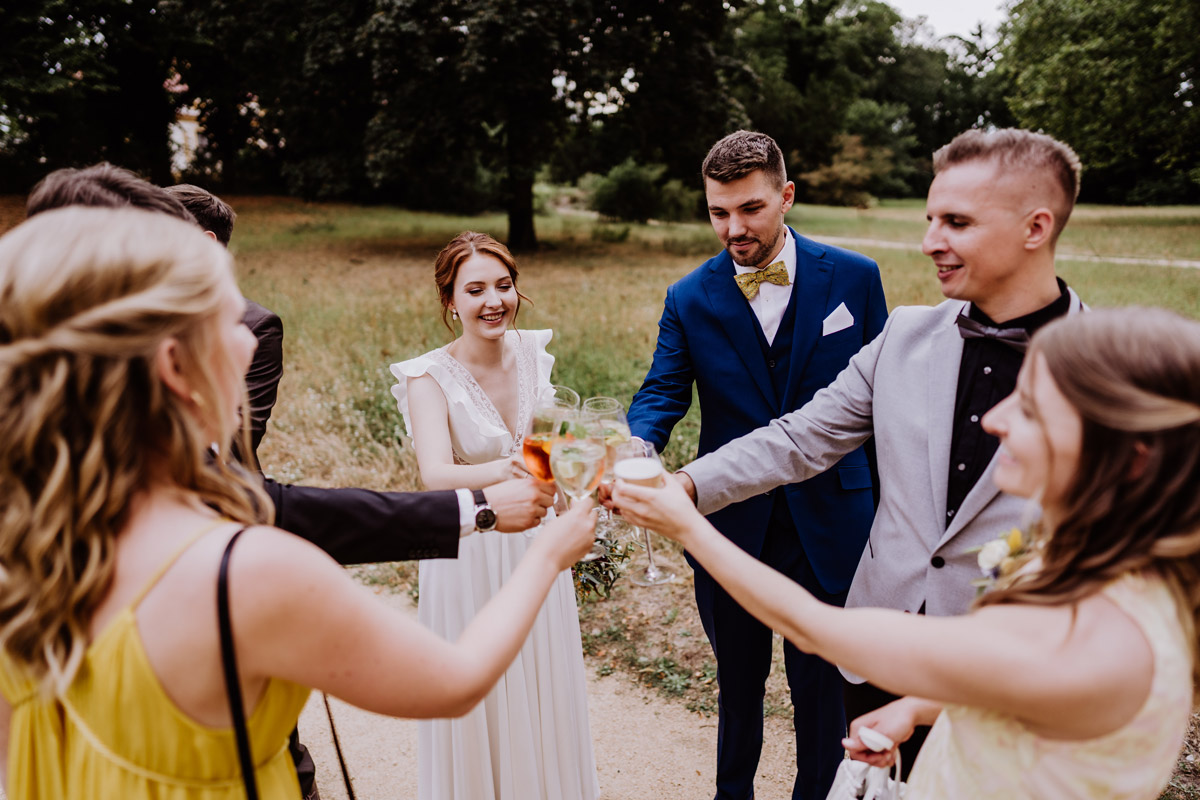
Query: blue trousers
point(742, 646)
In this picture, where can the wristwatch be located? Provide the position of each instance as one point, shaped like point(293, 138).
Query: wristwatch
point(485, 517)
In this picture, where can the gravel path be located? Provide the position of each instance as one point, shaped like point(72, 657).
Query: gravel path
point(646, 746)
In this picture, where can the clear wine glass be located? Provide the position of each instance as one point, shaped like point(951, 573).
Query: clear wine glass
point(549, 412)
point(577, 462)
point(609, 412)
point(638, 463)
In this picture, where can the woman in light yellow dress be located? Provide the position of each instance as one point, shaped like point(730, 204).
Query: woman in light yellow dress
point(1073, 677)
point(122, 355)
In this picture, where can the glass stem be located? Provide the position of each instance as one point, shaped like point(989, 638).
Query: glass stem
point(650, 570)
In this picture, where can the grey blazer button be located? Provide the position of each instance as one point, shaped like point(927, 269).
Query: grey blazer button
point(938, 562)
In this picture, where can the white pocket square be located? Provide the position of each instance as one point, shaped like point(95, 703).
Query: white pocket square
point(839, 320)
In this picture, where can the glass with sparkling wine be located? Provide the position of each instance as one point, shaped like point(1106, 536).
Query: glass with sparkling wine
point(543, 423)
point(577, 462)
point(610, 415)
point(638, 463)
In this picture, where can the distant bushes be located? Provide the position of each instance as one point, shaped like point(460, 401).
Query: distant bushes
point(634, 192)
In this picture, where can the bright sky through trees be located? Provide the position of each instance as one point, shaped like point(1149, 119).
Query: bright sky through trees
point(952, 16)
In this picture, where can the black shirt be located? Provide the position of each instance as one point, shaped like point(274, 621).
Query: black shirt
point(986, 375)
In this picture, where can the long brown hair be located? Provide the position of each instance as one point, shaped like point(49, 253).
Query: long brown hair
point(87, 296)
point(1133, 375)
point(457, 251)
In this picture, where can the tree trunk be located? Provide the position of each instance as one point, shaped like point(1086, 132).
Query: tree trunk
point(521, 235)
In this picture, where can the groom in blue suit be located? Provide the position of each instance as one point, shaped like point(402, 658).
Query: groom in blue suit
point(759, 329)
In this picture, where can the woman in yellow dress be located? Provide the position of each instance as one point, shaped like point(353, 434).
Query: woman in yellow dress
point(121, 358)
point(1073, 677)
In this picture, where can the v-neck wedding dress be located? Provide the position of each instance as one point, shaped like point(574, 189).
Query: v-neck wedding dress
point(529, 739)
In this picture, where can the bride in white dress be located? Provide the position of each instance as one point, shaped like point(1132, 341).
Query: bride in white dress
point(466, 407)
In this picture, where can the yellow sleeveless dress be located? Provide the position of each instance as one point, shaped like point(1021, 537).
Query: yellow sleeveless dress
point(977, 754)
point(116, 733)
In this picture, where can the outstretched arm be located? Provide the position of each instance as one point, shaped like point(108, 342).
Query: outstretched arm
point(797, 445)
point(1071, 672)
point(299, 617)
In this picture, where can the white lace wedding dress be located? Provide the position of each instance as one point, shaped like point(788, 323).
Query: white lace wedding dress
point(529, 739)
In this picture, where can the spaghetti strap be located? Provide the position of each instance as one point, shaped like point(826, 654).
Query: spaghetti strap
point(166, 565)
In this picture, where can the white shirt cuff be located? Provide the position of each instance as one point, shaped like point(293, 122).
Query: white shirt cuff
point(466, 512)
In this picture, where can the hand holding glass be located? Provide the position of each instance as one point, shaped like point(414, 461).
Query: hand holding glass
point(638, 463)
point(577, 462)
point(548, 414)
point(610, 415)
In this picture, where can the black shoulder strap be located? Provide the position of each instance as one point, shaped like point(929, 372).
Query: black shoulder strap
point(229, 662)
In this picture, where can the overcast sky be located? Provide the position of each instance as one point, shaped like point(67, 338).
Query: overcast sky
point(951, 16)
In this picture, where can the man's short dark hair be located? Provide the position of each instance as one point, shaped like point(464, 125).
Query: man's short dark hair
point(104, 186)
point(213, 213)
point(743, 152)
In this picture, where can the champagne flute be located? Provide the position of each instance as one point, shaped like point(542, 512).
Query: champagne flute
point(638, 463)
point(611, 416)
point(547, 415)
point(577, 462)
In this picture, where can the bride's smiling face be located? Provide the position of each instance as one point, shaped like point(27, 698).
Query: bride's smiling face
point(485, 296)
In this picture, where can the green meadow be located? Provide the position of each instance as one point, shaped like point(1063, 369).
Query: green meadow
point(354, 286)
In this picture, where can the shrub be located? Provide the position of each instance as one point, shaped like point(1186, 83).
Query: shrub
point(630, 192)
point(679, 203)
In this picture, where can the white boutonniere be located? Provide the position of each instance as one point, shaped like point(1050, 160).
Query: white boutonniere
point(1001, 557)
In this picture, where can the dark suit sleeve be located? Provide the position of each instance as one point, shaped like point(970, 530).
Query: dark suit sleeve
point(262, 379)
point(358, 526)
point(877, 313)
point(666, 394)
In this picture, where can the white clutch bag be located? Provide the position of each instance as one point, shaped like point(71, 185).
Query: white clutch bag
point(858, 780)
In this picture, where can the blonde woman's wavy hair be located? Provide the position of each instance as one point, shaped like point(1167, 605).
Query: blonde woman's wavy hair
point(1133, 375)
point(87, 296)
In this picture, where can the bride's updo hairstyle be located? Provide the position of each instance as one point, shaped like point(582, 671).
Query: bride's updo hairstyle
point(460, 248)
point(87, 296)
point(1133, 375)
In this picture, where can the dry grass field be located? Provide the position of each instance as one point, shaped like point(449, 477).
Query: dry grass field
point(355, 289)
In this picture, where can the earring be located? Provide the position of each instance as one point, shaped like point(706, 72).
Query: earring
point(454, 315)
point(197, 399)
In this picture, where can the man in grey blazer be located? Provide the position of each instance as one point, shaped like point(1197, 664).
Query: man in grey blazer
point(996, 207)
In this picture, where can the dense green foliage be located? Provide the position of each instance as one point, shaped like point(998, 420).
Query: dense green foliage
point(1116, 79)
point(452, 106)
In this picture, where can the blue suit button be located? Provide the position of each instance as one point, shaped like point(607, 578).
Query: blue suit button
point(937, 562)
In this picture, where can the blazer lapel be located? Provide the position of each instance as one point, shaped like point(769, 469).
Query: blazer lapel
point(737, 319)
point(810, 294)
point(941, 384)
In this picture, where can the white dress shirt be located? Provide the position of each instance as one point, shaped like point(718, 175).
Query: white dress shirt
point(771, 301)
point(466, 512)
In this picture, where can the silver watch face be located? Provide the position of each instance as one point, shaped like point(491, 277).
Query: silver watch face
point(485, 519)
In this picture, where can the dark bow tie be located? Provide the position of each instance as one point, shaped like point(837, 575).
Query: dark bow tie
point(1016, 338)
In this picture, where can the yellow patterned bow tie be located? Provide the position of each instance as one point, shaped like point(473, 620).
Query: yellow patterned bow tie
point(750, 281)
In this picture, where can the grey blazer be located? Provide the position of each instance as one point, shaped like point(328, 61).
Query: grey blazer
point(901, 388)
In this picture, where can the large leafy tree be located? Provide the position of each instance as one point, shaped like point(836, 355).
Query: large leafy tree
point(1116, 79)
point(284, 92)
point(465, 97)
point(474, 98)
point(82, 82)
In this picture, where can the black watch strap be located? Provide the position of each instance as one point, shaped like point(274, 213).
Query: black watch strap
point(480, 497)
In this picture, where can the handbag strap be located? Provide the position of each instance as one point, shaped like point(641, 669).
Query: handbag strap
point(233, 687)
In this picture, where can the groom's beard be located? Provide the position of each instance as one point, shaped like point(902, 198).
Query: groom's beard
point(758, 256)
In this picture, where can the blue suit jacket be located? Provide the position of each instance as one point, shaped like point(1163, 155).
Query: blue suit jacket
point(707, 336)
